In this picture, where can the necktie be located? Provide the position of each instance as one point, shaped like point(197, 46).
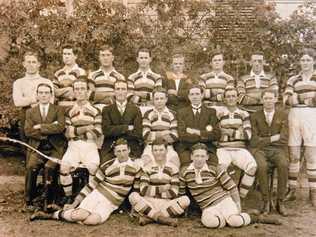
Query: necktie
point(198, 178)
point(269, 118)
point(44, 113)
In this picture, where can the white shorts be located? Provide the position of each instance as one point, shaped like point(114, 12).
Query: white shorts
point(172, 155)
point(240, 157)
point(82, 152)
point(96, 203)
point(302, 126)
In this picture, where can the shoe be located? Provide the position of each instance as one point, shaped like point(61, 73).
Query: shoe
point(143, 220)
point(28, 207)
point(265, 208)
point(40, 215)
point(281, 208)
point(167, 221)
point(268, 220)
point(290, 196)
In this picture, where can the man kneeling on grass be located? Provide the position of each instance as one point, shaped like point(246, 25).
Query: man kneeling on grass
point(103, 194)
point(216, 193)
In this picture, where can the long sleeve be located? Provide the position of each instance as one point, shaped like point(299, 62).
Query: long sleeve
point(28, 127)
point(55, 127)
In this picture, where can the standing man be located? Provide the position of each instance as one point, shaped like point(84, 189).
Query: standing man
point(160, 122)
point(215, 192)
point(216, 81)
point(103, 194)
point(65, 76)
point(269, 145)
point(44, 127)
point(121, 120)
point(142, 83)
point(235, 129)
point(156, 199)
point(196, 123)
point(300, 94)
point(250, 86)
point(83, 128)
point(24, 89)
point(177, 83)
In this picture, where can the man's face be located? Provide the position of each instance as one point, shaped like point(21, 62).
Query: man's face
point(31, 64)
point(160, 100)
point(44, 94)
point(106, 58)
point(80, 91)
point(218, 62)
point(195, 96)
point(257, 62)
point(143, 60)
point(307, 63)
point(121, 152)
point(269, 100)
point(160, 152)
point(231, 98)
point(199, 158)
point(178, 64)
point(120, 91)
point(69, 58)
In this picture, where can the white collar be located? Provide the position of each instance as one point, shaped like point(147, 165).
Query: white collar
point(145, 73)
point(204, 168)
point(109, 72)
point(196, 107)
point(116, 162)
point(165, 110)
point(121, 105)
point(266, 112)
point(252, 74)
point(74, 67)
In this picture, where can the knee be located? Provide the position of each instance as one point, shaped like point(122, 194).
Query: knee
point(251, 169)
point(212, 221)
point(79, 214)
point(235, 221)
point(93, 219)
point(92, 168)
point(134, 198)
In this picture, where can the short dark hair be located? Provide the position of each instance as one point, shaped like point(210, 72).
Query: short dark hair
point(120, 141)
point(44, 85)
point(215, 53)
point(159, 89)
point(160, 141)
point(274, 92)
point(308, 51)
point(144, 50)
point(75, 49)
point(31, 53)
point(199, 146)
point(195, 85)
point(106, 47)
point(83, 79)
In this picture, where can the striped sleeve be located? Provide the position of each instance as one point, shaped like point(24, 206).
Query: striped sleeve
point(273, 84)
point(174, 188)
point(143, 183)
point(225, 180)
point(289, 89)
point(241, 90)
point(148, 134)
point(246, 126)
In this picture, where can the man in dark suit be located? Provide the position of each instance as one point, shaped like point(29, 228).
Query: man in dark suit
point(121, 120)
point(269, 145)
point(177, 84)
point(44, 126)
point(196, 123)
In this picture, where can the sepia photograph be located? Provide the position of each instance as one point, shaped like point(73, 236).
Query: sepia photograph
point(145, 118)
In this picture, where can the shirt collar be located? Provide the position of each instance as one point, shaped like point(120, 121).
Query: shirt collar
point(108, 73)
point(266, 113)
point(35, 76)
point(196, 107)
point(74, 67)
point(116, 161)
point(252, 74)
point(121, 105)
point(145, 73)
point(165, 110)
point(204, 168)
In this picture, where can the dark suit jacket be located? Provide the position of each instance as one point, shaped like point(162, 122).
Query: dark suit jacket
point(262, 132)
point(179, 101)
point(115, 126)
point(186, 119)
point(52, 128)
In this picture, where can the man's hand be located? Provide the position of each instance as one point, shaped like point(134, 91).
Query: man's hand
point(172, 92)
point(37, 126)
point(207, 93)
point(227, 131)
point(89, 128)
point(193, 131)
point(69, 93)
point(293, 99)
point(309, 102)
point(130, 127)
point(275, 138)
point(70, 206)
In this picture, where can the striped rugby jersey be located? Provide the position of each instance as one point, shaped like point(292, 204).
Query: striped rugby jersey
point(216, 83)
point(79, 116)
point(104, 84)
point(142, 84)
point(154, 121)
point(249, 91)
point(303, 88)
point(152, 178)
point(64, 79)
point(113, 179)
point(214, 187)
point(239, 121)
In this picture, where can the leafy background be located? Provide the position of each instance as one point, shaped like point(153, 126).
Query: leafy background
point(166, 26)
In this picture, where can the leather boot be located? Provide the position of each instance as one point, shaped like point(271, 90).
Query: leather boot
point(264, 220)
point(40, 215)
point(167, 221)
point(143, 220)
point(291, 195)
point(281, 208)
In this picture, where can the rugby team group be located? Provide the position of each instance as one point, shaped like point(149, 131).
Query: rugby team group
point(163, 141)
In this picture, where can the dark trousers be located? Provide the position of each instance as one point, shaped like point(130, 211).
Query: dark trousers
point(275, 156)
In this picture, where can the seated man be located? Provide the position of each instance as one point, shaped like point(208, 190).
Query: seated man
point(196, 123)
point(215, 193)
point(160, 122)
point(103, 194)
point(121, 120)
point(44, 126)
point(83, 127)
point(156, 199)
point(235, 129)
point(269, 145)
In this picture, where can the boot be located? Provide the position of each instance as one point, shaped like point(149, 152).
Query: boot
point(167, 221)
point(265, 220)
point(40, 215)
point(291, 195)
point(265, 208)
point(281, 208)
point(143, 220)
